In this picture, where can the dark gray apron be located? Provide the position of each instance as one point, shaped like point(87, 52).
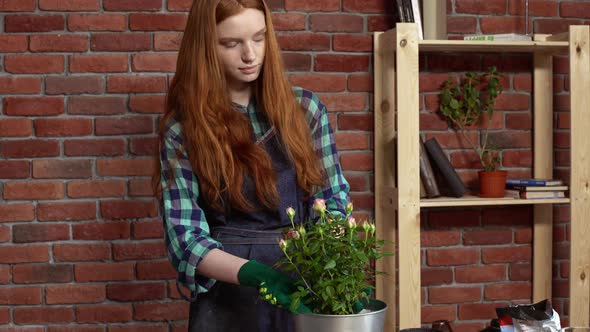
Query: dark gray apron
point(251, 235)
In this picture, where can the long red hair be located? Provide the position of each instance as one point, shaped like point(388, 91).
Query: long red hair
point(221, 154)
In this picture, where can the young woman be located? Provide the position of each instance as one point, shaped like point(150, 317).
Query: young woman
point(238, 145)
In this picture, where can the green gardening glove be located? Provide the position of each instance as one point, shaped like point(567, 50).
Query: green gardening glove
point(274, 286)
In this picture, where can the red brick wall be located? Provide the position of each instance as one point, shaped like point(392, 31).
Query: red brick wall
point(82, 82)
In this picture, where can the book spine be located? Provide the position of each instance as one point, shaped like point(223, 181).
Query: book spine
point(426, 174)
point(530, 182)
point(541, 194)
point(440, 160)
point(400, 10)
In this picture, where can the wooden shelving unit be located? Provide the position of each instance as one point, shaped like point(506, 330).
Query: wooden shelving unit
point(397, 191)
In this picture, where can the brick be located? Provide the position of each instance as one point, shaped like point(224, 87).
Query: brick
point(120, 42)
point(34, 64)
point(134, 83)
point(132, 5)
point(430, 314)
point(5, 236)
point(66, 211)
point(71, 85)
point(454, 218)
point(461, 25)
point(103, 63)
point(33, 23)
point(22, 329)
point(147, 230)
point(13, 43)
point(506, 254)
point(304, 41)
point(101, 231)
point(19, 85)
point(82, 252)
point(352, 43)
point(151, 104)
point(17, 212)
point(157, 22)
point(451, 295)
point(341, 63)
point(40, 232)
point(39, 106)
point(161, 311)
point(436, 276)
point(355, 122)
point(104, 313)
point(103, 272)
point(154, 62)
point(4, 316)
point(572, 9)
point(523, 236)
point(139, 328)
point(75, 328)
point(486, 273)
point(14, 169)
point(17, 5)
point(97, 22)
point(24, 254)
point(508, 291)
point(312, 5)
point(492, 7)
point(85, 105)
point(125, 167)
point(128, 125)
point(128, 209)
point(155, 270)
point(31, 190)
point(75, 294)
point(319, 82)
point(518, 122)
point(460, 256)
point(356, 161)
point(352, 141)
point(448, 63)
point(136, 291)
point(288, 21)
point(436, 238)
point(336, 23)
point(58, 43)
point(69, 5)
point(63, 127)
point(94, 147)
point(135, 251)
point(20, 295)
point(297, 61)
point(88, 189)
point(15, 127)
point(345, 102)
point(487, 237)
point(479, 310)
point(42, 273)
point(382, 22)
point(140, 188)
point(365, 6)
point(167, 41)
point(69, 169)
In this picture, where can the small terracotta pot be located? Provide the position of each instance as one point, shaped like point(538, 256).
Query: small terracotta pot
point(492, 184)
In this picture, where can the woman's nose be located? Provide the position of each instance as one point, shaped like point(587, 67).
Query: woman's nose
point(248, 54)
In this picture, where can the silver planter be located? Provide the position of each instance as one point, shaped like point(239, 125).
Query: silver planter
point(372, 321)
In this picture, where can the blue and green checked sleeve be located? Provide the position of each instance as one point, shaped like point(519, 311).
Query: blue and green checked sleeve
point(185, 226)
point(186, 229)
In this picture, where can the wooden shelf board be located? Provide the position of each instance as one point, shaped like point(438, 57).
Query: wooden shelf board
point(493, 46)
point(469, 200)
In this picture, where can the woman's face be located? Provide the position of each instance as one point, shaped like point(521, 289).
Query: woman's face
point(241, 46)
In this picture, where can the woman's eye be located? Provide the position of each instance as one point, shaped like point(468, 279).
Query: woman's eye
point(230, 44)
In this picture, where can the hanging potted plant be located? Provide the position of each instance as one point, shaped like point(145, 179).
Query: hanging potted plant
point(333, 258)
point(464, 104)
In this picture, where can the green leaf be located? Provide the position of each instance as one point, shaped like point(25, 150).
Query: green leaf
point(330, 265)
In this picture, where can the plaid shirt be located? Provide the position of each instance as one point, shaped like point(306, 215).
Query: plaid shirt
point(186, 229)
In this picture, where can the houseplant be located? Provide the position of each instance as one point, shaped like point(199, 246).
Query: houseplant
point(332, 258)
point(468, 103)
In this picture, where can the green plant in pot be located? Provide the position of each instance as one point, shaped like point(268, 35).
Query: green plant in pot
point(333, 258)
point(467, 103)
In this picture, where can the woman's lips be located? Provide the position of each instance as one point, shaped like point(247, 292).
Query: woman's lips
point(249, 70)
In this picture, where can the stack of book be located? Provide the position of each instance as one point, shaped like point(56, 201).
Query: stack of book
point(536, 188)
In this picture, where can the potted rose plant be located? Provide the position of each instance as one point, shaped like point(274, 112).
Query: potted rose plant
point(464, 104)
point(333, 258)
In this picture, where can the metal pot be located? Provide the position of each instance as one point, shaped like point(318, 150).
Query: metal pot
point(372, 321)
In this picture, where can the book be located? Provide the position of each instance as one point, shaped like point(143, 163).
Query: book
point(537, 188)
point(400, 11)
point(427, 174)
point(447, 170)
point(417, 17)
point(501, 36)
point(541, 194)
point(533, 182)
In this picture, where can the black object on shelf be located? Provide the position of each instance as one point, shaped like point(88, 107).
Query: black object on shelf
point(440, 161)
